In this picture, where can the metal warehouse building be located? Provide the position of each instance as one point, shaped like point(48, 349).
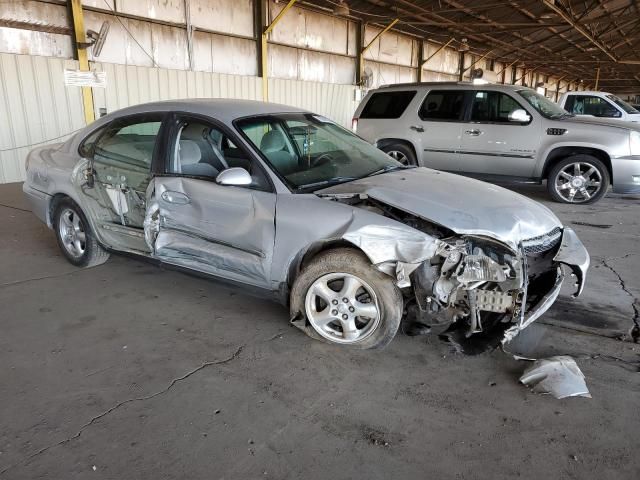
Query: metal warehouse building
point(318, 55)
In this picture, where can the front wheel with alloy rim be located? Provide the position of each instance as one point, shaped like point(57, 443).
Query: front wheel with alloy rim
point(75, 238)
point(401, 153)
point(578, 179)
point(347, 301)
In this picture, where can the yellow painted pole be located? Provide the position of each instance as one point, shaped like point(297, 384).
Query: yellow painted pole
point(263, 60)
point(368, 46)
point(597, 78)
point(83, 59)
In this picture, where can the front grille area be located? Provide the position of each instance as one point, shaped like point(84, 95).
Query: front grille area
point(543, 243)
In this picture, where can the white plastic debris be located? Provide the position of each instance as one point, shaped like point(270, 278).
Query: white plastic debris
point(559, 376)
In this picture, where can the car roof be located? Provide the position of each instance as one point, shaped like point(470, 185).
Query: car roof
point(455, 86)
point(224, 109)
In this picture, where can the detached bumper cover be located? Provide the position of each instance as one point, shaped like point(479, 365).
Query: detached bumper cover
point(574, 255)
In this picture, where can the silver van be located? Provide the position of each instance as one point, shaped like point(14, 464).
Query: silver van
point(502, 133)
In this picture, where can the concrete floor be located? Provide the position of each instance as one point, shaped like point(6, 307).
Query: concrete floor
point(128, 371)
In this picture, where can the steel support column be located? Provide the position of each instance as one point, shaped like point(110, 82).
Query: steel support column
point(264, 66)
point(83, 60)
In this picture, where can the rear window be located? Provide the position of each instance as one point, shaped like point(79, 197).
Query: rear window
point(387, 104)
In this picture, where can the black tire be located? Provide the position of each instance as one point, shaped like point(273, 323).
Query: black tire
point(355, 263)
point(92, 254)
point(587, 162)
point(401, 152)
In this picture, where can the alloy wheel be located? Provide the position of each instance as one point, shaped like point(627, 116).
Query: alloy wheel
point(342, 308)
point(72, 233)
point(578, 182)
point(398, 156)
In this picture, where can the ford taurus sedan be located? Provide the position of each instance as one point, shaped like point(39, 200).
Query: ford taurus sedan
point(283, 200)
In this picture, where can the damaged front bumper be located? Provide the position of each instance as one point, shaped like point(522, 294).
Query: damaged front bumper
point(479, 286)
point(574, 255)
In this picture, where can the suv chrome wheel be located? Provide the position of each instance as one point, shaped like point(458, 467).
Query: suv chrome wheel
point(398, 156)
point(578, 182)
point(342, 308)
point(72, 233)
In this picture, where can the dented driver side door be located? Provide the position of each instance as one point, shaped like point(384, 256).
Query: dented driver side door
point(194, 222)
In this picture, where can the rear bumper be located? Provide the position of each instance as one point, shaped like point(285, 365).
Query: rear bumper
point(39, 202)
point(626, 174)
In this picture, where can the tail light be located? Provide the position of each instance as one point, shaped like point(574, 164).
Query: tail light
point(354, 125)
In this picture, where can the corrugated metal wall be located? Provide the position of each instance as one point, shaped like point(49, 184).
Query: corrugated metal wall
point(35, 106)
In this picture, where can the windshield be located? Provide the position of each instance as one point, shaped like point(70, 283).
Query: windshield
point(543, 105)
point(309, 151)
point(622, 104)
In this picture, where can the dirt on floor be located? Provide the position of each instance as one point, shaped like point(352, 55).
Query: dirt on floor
point(129, 371)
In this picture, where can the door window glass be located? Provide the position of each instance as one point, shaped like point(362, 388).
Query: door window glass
point(493, 107)
point(387, 104)
point(592, 105)
point(203, 150)
point(441, 105)
point(129, 142)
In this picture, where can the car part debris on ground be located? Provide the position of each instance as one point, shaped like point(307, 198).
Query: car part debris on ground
point(558, 376)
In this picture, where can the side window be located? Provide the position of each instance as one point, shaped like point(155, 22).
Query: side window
point(129, 141)
point(442, 105)
point(596, 106)
point(203, 150)
point(493, 107)
point(569, 103)
point(387, 104)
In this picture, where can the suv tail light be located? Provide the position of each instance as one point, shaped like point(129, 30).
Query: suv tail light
point(354, 125)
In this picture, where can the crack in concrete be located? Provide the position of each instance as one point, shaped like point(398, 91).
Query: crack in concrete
point(204, 365)
point(27, 280)
point(635, 330)
point(14, 208)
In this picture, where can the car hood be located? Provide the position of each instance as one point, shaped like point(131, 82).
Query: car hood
point(462, 204)
point(605, 122)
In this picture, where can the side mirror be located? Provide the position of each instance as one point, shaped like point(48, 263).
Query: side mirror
point(609, 113)
point(234, 176)
point(519, 116)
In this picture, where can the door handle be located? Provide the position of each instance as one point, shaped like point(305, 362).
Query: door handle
point(474, 133)
point(417, 128)
point(176, 198)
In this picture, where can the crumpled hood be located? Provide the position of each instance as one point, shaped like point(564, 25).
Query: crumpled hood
point(462, 204)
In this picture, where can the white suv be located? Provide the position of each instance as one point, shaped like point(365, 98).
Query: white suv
point(502, 133)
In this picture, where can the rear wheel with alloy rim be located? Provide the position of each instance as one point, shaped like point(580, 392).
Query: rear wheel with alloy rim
point(347, 301)
point(74, 235)
point(401, 153)
point(578, 179)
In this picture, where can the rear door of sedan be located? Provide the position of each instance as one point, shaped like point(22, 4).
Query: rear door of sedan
point(195, 222)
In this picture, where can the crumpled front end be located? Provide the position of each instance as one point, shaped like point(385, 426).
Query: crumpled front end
point(474, 285)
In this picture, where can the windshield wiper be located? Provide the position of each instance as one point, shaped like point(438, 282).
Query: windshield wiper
point(389, 168)
point(324, 183)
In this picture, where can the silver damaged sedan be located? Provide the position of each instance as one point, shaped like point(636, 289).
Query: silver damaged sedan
point(287, 202)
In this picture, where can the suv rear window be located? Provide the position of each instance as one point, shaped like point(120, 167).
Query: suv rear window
point(387, 104)
point(442, 105)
